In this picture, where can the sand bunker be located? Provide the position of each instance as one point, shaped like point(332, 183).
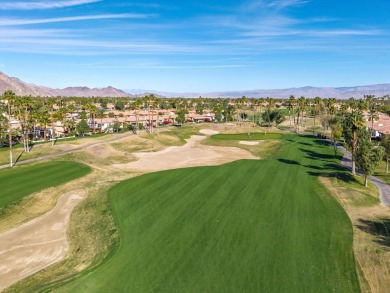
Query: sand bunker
point(249, 142)
point(208, 131)
point(190, 155)
point(37, 244)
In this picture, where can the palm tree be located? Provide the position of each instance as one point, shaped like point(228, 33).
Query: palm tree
point(290, 107)
point(316, 109)
point(353, 122)
point(100, 115)
point(44, 119)
point(137, 107)
point(93, 110)
point(301, 109)
point(9, 96)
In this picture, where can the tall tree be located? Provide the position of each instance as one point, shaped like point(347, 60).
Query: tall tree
point(9, 96)
point(367, 156)
point(352, 123)
point(385, 143)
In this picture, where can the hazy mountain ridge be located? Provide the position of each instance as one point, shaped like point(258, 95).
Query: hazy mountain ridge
point(22, 88)
point(308, 92)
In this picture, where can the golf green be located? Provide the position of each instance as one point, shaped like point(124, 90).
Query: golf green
point(19, 182)
point(247, 226)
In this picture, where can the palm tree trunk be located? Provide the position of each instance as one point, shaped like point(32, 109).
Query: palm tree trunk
point(314, 123)
point(52, 134)
point(353, 152)
point(28, 131)
point(93, 124)
point(10, 134)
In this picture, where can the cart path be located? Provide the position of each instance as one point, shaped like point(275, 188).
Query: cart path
point(127, 134)
point(38, 243)
point(384, 189)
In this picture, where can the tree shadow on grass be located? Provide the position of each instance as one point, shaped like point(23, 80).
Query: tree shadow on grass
point(319, 156)
point(322, 142)
point(336, 167)
point(290, 162)
point(18, 158)
point(345, 177)
point(379, 228)
point(314, 167)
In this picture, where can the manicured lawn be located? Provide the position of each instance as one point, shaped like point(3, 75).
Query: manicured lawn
point(247, 226)
point(248, 136)
point(19, 182)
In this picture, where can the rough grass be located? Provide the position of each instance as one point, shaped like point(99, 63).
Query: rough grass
point(19, 182)
point(380, 172)
point(248, 226)
point(371, 223)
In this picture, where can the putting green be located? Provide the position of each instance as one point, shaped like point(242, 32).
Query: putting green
point(247, 226)
point(248, 136)
point(19, 182)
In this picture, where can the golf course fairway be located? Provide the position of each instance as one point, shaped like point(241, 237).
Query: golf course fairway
point(19, 182)
point(247, 226)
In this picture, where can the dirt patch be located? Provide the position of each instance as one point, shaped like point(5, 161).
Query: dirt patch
point(38, 243)
point(190, 155)
point(249, 142)
point(104, 151)
point(208, 131)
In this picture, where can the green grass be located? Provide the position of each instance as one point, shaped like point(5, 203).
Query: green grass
point(247, 136)
point(19, 182)
point(247, 226)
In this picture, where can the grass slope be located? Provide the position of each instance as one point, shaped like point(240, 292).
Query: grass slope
point(248, 226)
point(18, 182)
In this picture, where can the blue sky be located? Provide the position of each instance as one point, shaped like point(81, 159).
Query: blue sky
point(196, 46)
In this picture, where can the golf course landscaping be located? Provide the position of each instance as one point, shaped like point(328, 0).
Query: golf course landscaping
point(21, 181)
point(247, 226)
point(248, 136)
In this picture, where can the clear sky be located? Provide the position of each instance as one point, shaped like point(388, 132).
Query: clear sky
point(201, 46)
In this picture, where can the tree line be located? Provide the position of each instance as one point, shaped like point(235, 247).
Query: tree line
point(341, 118)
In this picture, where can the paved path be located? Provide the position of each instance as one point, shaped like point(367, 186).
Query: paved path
point(117, 137)
point(384, 189)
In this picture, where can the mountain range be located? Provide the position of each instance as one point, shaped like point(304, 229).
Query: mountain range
point(379, 90)
point(22, 88)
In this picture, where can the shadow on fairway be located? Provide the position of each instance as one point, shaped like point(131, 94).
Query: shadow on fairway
point(305, 143)
point(290, 162)
point(322, 142)
point(380, 229)
point(313, 167)
point(336, 167)
point(318, 156)
point(345, 177)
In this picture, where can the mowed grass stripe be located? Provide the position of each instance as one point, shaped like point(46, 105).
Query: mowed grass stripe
point(248, 226)
point(19, 182)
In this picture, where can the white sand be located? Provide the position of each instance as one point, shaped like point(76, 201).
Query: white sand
point(37, 244)
point(249, 142)
point(208, 131)
point(190, 155)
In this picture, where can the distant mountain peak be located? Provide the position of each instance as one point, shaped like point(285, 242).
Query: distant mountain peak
point(22, 88)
